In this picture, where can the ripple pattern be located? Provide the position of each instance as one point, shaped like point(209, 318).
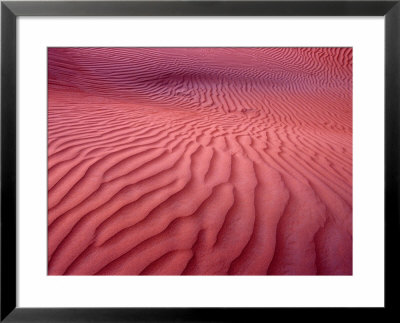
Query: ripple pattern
point(199, 161)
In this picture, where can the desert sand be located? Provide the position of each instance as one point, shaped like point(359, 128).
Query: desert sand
point(199, 161)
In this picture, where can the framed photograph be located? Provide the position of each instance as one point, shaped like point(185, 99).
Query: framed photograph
point(193, 161)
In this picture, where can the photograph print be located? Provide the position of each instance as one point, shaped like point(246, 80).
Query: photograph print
point(200, 161)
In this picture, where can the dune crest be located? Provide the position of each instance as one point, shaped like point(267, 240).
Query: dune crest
point(200, 161)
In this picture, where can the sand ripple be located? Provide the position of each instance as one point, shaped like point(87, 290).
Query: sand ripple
point(201, 161)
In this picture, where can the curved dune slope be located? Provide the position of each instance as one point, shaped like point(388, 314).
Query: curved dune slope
point(201, 161)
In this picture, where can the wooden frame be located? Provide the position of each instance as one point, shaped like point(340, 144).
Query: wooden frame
point(11, 10)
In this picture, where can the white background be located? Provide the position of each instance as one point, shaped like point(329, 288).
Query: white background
point(364, 288)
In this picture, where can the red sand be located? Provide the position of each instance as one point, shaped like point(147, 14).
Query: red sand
point(218, 161)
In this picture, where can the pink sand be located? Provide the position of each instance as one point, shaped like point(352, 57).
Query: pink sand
point(200, 161)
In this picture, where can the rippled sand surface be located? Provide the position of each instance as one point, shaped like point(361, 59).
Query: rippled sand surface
point(200, 161)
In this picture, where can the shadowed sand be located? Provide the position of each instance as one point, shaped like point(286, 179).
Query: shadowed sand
point(200, 161)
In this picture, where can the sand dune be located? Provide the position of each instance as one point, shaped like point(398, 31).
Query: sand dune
point(200, 161)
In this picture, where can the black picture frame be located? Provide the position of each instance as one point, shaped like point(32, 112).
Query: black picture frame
point(10, 10)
